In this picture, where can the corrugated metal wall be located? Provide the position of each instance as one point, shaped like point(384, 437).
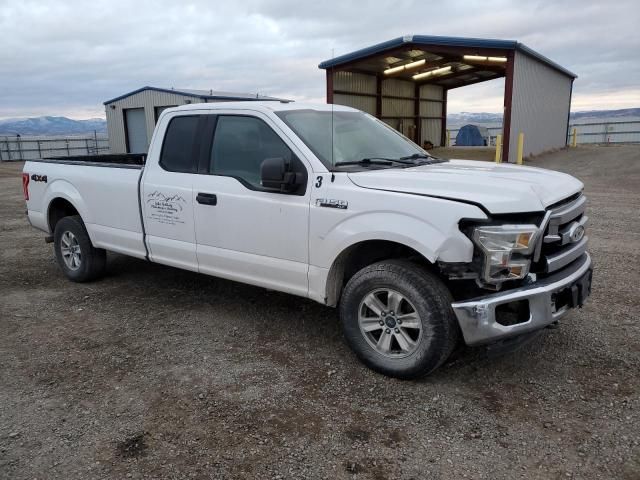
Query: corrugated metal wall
point(397, 102)
point(400, 108)
point(431, 105)
point(354, 82)
point(148, 99)
point(358, 83)
point(397, 88)
point(366, 104)
point(540, 107)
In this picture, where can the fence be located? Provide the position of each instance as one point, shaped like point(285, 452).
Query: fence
point(605, 132)
point(31, 148)
point(617, 132)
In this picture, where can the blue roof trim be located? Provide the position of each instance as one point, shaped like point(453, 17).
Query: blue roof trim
point(193, 95)
point(443, 41)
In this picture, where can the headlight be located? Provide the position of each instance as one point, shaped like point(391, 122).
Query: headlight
point(505, 248)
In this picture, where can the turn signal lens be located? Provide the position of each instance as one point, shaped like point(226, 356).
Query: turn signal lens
point(524, 240)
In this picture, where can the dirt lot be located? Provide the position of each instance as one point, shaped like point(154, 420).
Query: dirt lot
point(154, 372)
point(469, 153)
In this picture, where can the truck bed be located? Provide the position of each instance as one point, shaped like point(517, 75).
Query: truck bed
point(103, 189)
point(128, 160)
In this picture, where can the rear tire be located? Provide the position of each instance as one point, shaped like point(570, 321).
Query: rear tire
point(79, 260)
point(397, 318)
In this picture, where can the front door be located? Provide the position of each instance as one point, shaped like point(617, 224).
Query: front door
point(243, 231)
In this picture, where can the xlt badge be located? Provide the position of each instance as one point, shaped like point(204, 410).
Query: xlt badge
point(332, 203)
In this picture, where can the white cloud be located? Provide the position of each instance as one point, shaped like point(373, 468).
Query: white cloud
point(67, 58)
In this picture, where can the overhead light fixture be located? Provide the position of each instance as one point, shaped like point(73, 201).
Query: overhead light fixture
point(477, 58)
point(408, 66)
point(431, 73)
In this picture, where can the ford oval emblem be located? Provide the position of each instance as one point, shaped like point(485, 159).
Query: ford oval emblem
point(576, 232)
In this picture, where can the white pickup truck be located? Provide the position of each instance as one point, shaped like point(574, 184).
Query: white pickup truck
point(329, 203)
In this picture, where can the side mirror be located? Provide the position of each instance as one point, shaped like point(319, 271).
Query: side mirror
point(276, 173)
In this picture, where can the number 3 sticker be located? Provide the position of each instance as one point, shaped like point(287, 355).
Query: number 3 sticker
point(318, 182)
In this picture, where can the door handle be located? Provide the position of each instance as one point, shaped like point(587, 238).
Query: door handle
point(207, 198)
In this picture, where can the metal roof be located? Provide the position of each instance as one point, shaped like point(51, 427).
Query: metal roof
point(433, 41)
point(202, 94)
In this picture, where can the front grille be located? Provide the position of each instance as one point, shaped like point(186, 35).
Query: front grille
point(561, 243)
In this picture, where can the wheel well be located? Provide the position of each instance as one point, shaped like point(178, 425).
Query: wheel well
point(58, 209)
point(360, 255)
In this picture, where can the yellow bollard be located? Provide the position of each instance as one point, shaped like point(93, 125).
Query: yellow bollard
point(520, 147)
point(498, 148)
point(448, 138)
point(574, 137)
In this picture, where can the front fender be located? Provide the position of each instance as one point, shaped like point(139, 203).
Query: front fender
point(432, 242)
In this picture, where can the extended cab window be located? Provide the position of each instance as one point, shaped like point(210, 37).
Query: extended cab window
point(178, 146)
point(241, 144)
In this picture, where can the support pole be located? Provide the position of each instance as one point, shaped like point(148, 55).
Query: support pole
point(520, 147)
point(574, 137)
point(416, 113)
point(498, 148)
point(443, 121)
point(448, 138)
point(508, 102)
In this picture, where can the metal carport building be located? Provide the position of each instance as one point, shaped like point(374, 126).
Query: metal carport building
point(405, 81)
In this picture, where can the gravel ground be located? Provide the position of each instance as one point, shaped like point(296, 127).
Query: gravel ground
point(154, 372)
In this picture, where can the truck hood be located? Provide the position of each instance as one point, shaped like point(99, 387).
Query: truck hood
point(498, 187)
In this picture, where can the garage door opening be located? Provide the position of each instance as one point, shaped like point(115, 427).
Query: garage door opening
point(135, 125)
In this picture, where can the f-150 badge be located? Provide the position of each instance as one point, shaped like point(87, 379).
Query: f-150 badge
point(332, 203)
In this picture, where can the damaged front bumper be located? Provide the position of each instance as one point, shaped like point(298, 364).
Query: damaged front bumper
point(521, 310)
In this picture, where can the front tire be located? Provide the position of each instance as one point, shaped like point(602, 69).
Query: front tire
point(78, 259)
point(397, 318)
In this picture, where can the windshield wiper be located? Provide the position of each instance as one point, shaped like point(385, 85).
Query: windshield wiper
point(416, 156)
point(367, 161)
point(429, 159)
point(410, 161)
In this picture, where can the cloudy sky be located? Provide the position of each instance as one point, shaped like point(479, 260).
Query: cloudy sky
point(67, 57)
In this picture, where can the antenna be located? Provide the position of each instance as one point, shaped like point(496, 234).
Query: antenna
point(332, 144)
point(333, 51)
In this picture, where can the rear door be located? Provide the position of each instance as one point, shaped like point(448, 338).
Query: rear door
point(243, 231)
point(166, 197)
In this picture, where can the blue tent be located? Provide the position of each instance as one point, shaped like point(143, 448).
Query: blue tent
point(471, 136)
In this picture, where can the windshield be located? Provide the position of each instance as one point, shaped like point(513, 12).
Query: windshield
point(356, 136)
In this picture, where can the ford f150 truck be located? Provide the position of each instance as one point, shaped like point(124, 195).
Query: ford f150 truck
point(329, 203)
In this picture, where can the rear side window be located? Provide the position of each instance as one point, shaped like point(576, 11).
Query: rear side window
point(178, 152)
point(241, 144)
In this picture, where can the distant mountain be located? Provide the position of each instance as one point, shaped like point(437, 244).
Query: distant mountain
point(463, 118)
point(51, 126)
point(625, 112)
point(482, 118)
